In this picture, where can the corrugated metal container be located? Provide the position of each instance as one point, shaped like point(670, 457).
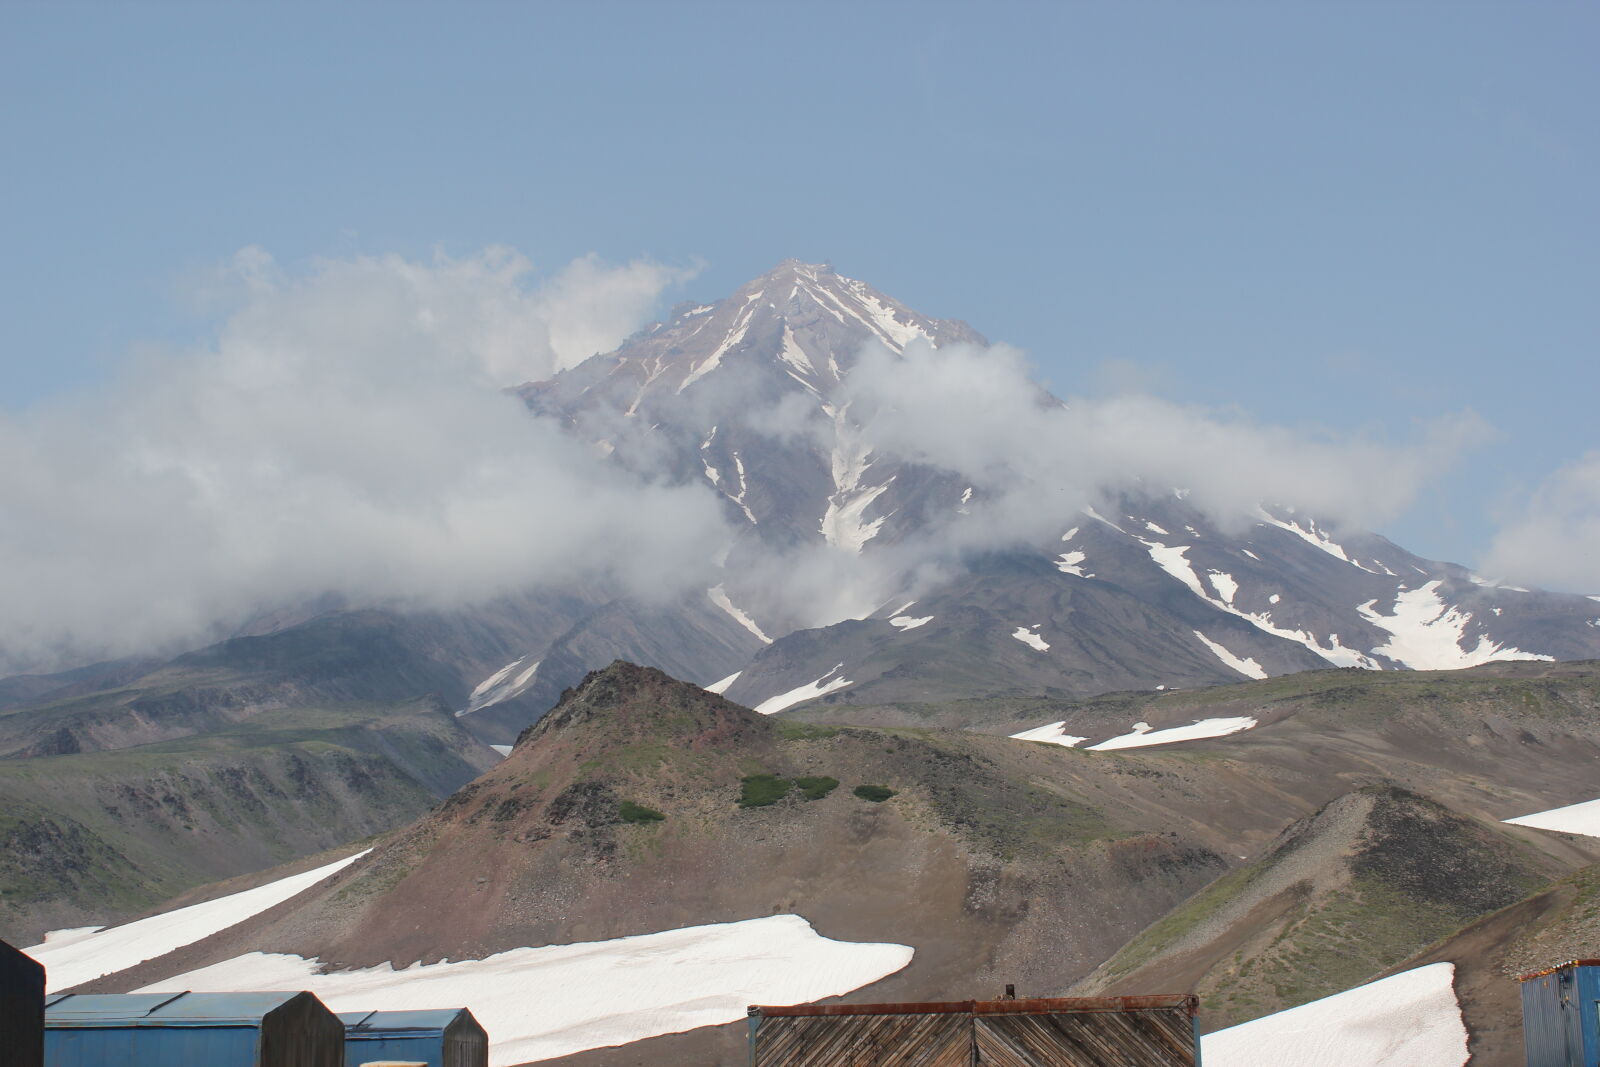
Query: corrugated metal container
point(1156, 1031)
point(446, 1037)
point(191, 1030)
point(1561, 1015)
point(21, 1007)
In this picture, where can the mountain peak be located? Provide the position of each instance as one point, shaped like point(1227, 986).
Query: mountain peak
point(626, 703)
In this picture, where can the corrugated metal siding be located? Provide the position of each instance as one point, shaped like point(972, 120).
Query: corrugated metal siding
point(302, 1033)
point(466, 1044)
point(865, 1041)
point(192, 1030)
point(1561, 1016)
point(1077, 1032)
point(1153, 1038)
point(21, 1007)
point(439, 1038)
point(150, 1047)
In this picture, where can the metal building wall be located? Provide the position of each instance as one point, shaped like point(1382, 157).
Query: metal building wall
point(302, 1033)
point(150, 1047)
point(943, 1040)
point(21, 1007)
point(268, 1029)
point(1153, 1038)
point(466, 1044)
point(1068, 1032)
point(438, 1038)
point(1561, 1016)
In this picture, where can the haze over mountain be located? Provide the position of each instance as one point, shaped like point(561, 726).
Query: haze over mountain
point(805, 489)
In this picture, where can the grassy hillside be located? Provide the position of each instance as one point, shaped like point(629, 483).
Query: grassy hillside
point(1366, 882)
point(94, 837)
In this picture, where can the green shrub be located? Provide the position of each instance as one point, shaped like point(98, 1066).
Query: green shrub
point(817, 788)
point(875, 793)
point(638, 813)
point(759, 790)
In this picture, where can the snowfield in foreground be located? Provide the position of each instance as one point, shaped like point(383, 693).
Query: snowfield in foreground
point(1409, 1020)
point(538, 1003)
point(74, 957)
point(1581, 818)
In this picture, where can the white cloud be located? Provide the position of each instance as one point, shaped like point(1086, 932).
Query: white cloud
point(977, 412)
point(346, 431)
point(1555, 541)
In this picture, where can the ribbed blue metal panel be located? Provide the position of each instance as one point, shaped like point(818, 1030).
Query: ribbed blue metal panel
point(1561, 1017)
point(1586, 1003)
point(445, 1037)
point(150, 1047)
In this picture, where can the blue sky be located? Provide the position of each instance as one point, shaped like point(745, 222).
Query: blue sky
point(1342, 215)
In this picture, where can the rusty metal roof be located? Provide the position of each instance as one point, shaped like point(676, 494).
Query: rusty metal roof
point(1023, 1006)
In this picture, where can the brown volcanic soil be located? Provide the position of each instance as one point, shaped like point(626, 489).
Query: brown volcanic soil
point(999, 861)
point(1556, 924)
point(1373, 877)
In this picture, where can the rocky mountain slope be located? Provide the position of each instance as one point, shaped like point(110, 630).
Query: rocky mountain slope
point(1363, 804)
point(751, 397)
point(96, 837)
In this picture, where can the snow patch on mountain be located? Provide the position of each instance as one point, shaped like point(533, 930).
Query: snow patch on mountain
point(1581, 818)
point(1028, 637)
point(1426, 634)
point(810, 691)
point(1143, 735)
point(1411, 1019)
point(504, 750)
point(1245, 666)
point(719, 596)
point(735, 335)
point(906, 622)
point(509, 681)
point(670, 982)
point(843, 524)
point(1175, 561)
point(722, 687)
point(1311, 535)
point(1053, 733)
point(1072, 563)
point(73, 960)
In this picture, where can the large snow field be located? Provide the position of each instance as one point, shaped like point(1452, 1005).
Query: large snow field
point(1426, 634)
point(1142, 735)
point(538, 1003)
point(1581, 818)
point(74, 957)
point(1409, 1020)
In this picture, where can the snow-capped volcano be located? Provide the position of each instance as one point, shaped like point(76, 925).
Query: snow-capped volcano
point(746, 394)
point(751, 396)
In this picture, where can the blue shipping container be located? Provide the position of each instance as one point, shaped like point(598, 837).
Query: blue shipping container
point(1561, 1015)
point(191, 1030)
point(446, 1037)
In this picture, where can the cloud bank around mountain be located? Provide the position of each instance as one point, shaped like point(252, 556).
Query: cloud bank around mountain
point(978, 412)
point(345, 431)
point(1554, 540)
